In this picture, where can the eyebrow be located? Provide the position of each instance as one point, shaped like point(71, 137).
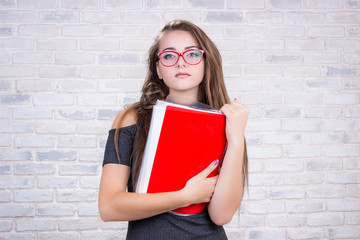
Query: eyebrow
point(172, 48)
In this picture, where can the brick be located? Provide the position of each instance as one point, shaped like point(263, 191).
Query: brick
point(74, 58)
point(326, 192)
point(16, 127)
point(80, 30)
point(326, 31)
point(245, 32)
point(7, 3)
point(36, 85)
point(282, 58)
point(142, 18)
point(304, 17)
point(351, 58)
point(127, 85)
point(252, 221)
point(330, 4)
point(353, 31)
point(94, 128)
point(248, 84)
point(308, 178)
point(284, 166)
point(246, 4)
point(302, 206)
point(221, 17)
point(90, 182)
point(263, 70)
point(212, 4)
point(351, 137)
point(343, 44)
point(57, 72)
point(5, 196)
point(120, 31)
point(15, 99)
point(324, 164)
point(323, 84)
point(5, 141)
point(101, 17)
point(172, 4)
point(266, 234)
point(58, 236)
point(4, 59)
point(286, 221)
point(17, 16)
point(100, 44)
point(5, 225)
point(91, 155)
point(56, 44)
point(339, 125)
point(97, 100)
point(321, 138)
point(40, 58)
point(343, 177)
point(74, 114)
point(15, 155)
point(99, 72)
point(77, 142)
point(245, 57)
point(321, 57)
point(266, 152)
point(302, 71)
point(281, 138)
point(76, 196)
point(96, 235)
point(34, 141)
point(59, 16)
point(344, 232)
point(266, 180)
point(17, 71)
point(123, 4)
point(305, 233)
point(56, 182)
point(257, 193)
point(81, 224)
point(16, 44)
point(343, 205)
point(32, 113)
point(288, 112)
point(186, 15)
point(15, 210)
point(340, 72)
point(325, 219)
point(56, 155)
point(302, 125)
point(286, 193)
point(136, 71)
point(57, 210)
point(33, 196)
point(286, 31)
point(122, 58)
point(34, 168)
point(88, 210)
point(75, 86)
point(302, 151)
point(273, 207)
point(267, 44)
point(351, 164)
point(303, 99)
point(37, 4)
point(78, 170)
point(344, 99)
point(81, 4)
point(343, 17)
point(35, 225)
point(7, 31)
point(273, 17)
point(106, 114)
point(287, 84)
point(38, 30)
point(286, 4)
point(53, 99)
point(261, 125)
point(352, 218)
point(306, 45)
point(5, 169)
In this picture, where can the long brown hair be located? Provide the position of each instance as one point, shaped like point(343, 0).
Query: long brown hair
point(212, 91)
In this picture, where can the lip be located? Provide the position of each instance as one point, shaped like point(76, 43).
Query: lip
point(182, 75)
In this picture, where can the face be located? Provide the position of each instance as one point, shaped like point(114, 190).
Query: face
point(182, 78)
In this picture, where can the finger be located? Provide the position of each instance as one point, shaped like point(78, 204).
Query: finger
point(209, 169)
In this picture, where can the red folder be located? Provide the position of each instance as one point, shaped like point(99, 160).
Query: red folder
point(188, 141)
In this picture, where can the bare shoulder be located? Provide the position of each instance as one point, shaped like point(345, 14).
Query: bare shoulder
point(124, 118)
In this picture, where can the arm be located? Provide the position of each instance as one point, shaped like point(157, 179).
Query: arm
point(228, 191)
point(115, 204)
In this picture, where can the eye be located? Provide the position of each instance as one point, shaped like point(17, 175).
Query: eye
point(194, 53)
point(167, 56)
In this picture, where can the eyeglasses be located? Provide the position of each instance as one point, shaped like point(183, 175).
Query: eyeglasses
point(191, 56)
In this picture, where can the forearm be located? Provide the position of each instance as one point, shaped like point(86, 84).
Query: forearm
point(228, 191)
point(125, 206)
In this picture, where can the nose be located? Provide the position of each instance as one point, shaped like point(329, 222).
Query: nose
point(181, 61)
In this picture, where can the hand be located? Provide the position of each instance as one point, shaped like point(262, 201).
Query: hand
point(200, 188)
point(236, 118)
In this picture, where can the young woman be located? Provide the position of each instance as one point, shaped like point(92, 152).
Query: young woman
point(186, 65)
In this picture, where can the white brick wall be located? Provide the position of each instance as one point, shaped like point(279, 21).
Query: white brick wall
point(67, 67)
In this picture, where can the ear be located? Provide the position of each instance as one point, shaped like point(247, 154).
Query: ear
point(158, 70)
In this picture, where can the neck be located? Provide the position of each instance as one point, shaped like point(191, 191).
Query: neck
point(182, 99)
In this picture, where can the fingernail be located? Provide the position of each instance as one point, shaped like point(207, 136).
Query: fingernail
point(216, 162)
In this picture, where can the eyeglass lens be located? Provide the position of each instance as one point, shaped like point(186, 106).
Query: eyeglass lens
point(170, 58)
